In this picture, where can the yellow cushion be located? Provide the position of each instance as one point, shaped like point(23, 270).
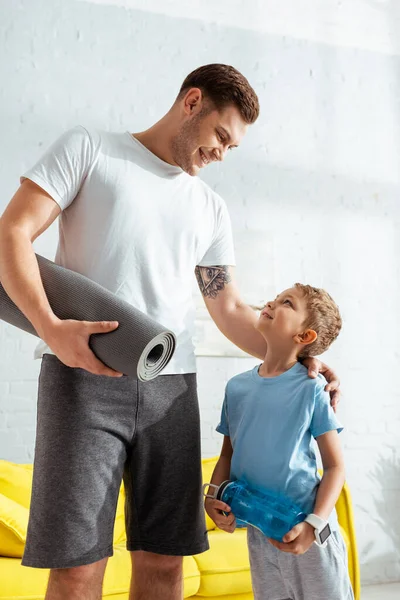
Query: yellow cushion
point(16, 482)
point(21, 583)
point(119, 525)
point(207, 467)
point(225, 568)
point(13, 524)
point(191, 577)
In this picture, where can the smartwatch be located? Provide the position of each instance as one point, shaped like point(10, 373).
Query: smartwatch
point(322, 530)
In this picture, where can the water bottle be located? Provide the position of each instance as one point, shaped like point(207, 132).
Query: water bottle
point(271, 513)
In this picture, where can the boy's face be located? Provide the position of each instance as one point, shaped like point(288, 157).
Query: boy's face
point(284, 318)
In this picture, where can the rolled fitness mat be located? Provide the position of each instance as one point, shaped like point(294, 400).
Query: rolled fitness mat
point(139, 347)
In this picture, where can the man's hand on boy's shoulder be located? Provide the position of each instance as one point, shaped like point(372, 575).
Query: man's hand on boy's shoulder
point(315, 366)
point(297, 541)
point(215, 508)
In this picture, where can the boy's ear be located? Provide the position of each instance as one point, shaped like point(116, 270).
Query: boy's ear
point(307, 337)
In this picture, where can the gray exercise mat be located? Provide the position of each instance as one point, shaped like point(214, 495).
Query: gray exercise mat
point(140, 347)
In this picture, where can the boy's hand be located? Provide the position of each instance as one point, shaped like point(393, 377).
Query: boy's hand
point(214, 510)
point(297, 541)
point(314, 367)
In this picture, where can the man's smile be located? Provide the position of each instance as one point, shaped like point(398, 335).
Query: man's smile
point(204, 159)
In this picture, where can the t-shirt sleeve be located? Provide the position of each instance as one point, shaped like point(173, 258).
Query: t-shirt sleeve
point(221, 251)
point(324, 418)
point(223, 426)
point(62, 169)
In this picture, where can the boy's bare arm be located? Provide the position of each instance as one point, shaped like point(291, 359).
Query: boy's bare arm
point(223, 467)
point(333, 475)
point(299, 539)
point(221, 473)
point(30, 212)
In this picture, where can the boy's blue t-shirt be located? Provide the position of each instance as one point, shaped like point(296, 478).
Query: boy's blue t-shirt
point(272, 423)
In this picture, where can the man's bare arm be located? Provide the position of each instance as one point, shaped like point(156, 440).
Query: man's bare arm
point(235, 319)
point(30, 212)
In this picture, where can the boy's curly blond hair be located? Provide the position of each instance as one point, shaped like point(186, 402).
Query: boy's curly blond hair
point(323, 317)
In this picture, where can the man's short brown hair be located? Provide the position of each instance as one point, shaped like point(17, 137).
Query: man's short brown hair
point(224, 86)
point(323, 317)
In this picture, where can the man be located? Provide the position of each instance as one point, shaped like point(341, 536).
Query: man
point(135, 219)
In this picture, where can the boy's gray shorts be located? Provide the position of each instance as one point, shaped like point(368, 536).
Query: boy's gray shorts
point(319, 574)
point(94, 430)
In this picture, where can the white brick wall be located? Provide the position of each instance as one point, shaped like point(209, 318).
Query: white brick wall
point(318, 174)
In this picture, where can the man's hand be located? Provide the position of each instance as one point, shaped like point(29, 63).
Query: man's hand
point(297, 541)
point(69, 340)
point(214, 510)
point(314, 367)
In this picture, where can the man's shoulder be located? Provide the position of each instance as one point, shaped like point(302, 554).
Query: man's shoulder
point(97, 136)
point(83, 132)
point(209, 193)
point(107, 137)
point(76, 137)
point(80, 140)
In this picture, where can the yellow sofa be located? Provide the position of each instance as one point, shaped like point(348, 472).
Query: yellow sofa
point(221, 573)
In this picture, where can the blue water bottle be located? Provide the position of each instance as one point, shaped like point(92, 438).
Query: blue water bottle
point(271, 513)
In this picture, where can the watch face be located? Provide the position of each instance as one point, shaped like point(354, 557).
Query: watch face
point(324, 533)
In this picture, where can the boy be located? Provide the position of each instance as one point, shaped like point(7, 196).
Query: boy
point(269, 417)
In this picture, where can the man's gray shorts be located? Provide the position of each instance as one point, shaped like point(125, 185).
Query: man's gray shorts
point(319, 574)
point(92, 431)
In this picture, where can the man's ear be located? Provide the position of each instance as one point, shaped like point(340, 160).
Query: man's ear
point(307, 337)
point(192, 101)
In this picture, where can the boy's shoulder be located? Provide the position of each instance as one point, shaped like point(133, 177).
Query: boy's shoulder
point(314, 385)
point(240, 378)
point(309, 386)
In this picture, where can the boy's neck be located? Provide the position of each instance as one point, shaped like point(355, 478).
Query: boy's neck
point(276, 363)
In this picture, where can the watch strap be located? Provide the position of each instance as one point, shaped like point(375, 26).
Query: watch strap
point(315, 521)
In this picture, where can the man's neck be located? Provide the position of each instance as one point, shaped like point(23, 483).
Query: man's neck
point(276, 363)
point(158, 138)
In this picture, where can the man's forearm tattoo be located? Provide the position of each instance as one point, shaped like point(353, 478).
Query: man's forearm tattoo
point(212, 280)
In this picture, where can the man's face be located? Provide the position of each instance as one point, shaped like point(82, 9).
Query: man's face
point(207, 136)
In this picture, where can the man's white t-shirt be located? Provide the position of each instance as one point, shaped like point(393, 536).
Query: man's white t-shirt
point(136, 225)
